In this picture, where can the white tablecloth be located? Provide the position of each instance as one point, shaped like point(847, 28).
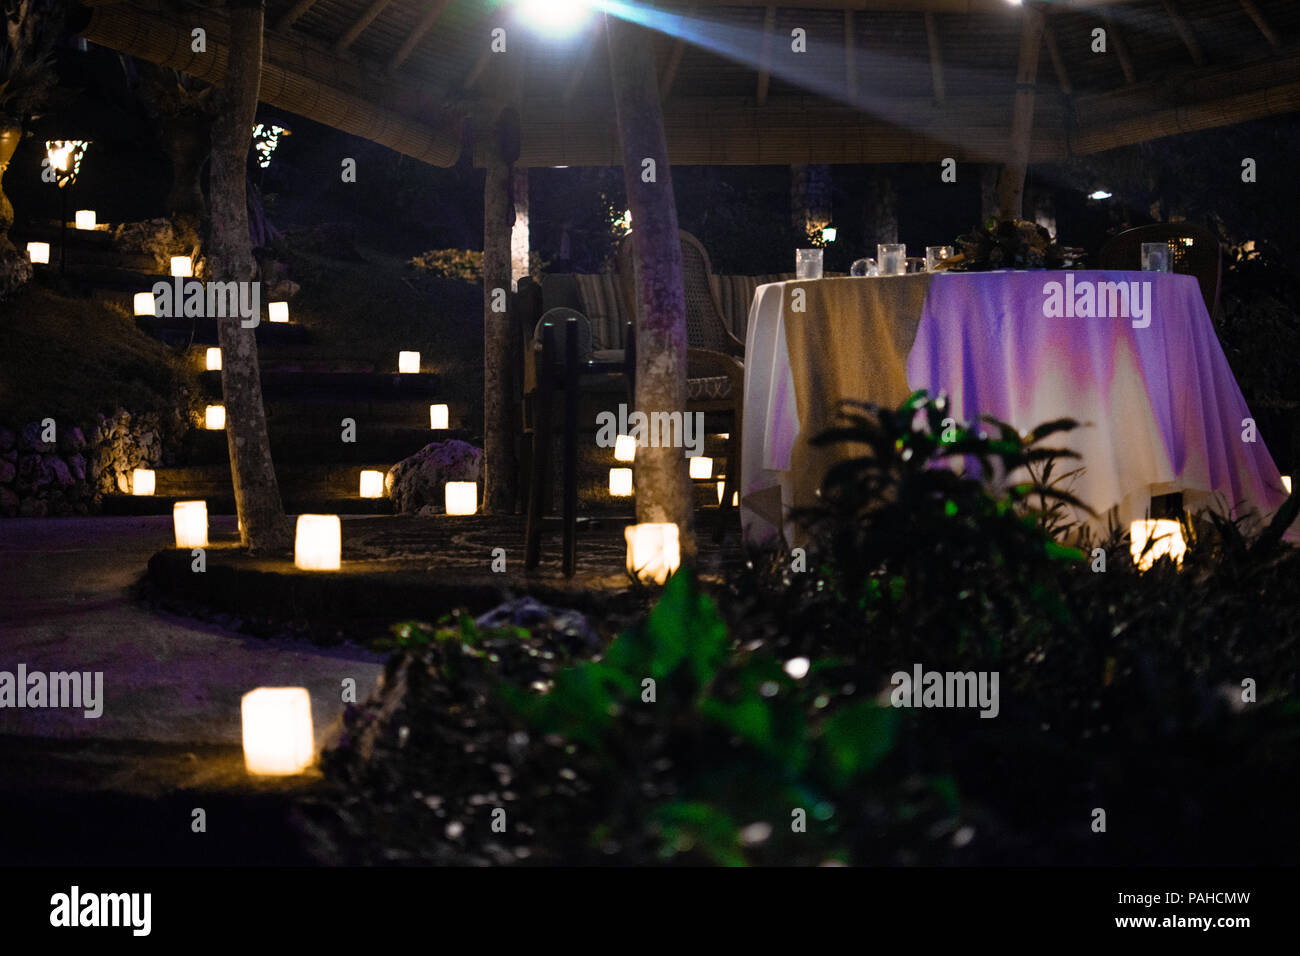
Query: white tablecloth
point(1160, 408)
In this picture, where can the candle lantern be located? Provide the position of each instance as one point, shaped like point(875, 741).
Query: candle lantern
point(653, 551)
point(701, 467)
point(461, 497)
point(214, 359)
point(278, 311)
point(143, 304)
point(317, 543)
point(85, 219)
point(439, 416)
point(408, 363)
point(214, 418)
point(620, 482)
point(190, 520)
point(1168, 540)
point(372, 484)
point(624, 448)
point(38, 253)
point(142, 481)
point(182, 267)
point(278, 739)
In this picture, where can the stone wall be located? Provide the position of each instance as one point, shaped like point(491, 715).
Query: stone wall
point(68, 476)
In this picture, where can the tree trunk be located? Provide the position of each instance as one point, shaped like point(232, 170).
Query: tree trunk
point(519, 239)
point(188, 140)
point(989, 193)
point(499, 478)
point(882, 210)
point(1011, 188)
point(257, 494)
point(663, 492)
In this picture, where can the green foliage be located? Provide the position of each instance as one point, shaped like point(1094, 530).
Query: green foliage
point(464, 264)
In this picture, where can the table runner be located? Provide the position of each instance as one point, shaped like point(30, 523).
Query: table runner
point(1163, 411)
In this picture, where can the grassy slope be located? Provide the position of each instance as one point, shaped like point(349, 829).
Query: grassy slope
point(370, 311)
point(68, 359)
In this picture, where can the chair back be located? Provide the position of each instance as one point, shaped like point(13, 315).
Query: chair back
point(558, 317)
point(706, 324)
point(1193, 250)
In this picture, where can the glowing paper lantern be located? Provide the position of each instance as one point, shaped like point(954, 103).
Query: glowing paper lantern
point(278, 311)
point(438, 416)
point(85, 219)
point(372, 484)
point(408, 362)
point(317, 543)
point(722, 489)
point(190, 519)
point(278, 736)
point(142, 303)
point(214, 417)
point(624, 448)
point(1286, 483)
point(462, 497)
point(142, 481)
point(182, 266)
point(1168, 535)
point(214, 359)
point(653, 551)
point(701, 467)
point(620, 482)
point(38, 252)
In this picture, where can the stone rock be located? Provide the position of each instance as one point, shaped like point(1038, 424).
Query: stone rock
point(77, 465)
point(10, 455)
point(416, 484)
point(30, 439)
point(29, 471)
point(7, 472)
point(15, 270)
point(8, 503)
point(71, 440)
point(8, 438)
point(54, 471)
point(539, 618)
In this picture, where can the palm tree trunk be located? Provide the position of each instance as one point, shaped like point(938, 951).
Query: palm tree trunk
point(257, 494)
point(663, 492)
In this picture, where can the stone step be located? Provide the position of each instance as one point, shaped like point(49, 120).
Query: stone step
point(203, 332)
point(342, 386)
point(296, 444)
point(225, 504)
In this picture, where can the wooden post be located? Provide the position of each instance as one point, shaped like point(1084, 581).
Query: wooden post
point(1011, 188)
point(663, 491)
point(257, 494)
point(499, 479)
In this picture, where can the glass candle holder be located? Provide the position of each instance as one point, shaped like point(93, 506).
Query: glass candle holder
point(808, 264)
point(863, 267)
point(1155, 257)
point(891, 258)
point(934, 255)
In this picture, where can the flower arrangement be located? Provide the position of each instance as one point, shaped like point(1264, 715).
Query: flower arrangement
point(1011, 244)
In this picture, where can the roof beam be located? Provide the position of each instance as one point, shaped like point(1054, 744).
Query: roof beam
point(1121, 49)
point(292, 14)
point(1255, 15)
point(363, 21)
point(1184, 33)
point(936, 57)
point(579, 71)
point(424, 26)
point(1207, 98)
point(907, 6)
point(1058, 64)
point(298, 76)
point(670, 69)
point(765, 56)
point(480, 65)
point(850, 56)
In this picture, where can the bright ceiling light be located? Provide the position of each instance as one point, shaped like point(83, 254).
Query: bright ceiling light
point(556, 18)
point(1099, 194)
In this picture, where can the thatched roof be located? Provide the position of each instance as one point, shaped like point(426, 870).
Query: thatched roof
point(881, 81)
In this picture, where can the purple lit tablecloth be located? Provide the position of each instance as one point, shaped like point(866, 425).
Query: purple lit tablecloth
point(1159, 407)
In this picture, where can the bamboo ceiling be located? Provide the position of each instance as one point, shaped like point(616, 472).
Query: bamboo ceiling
point(880, 81)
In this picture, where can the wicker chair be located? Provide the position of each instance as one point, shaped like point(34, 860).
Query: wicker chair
point(715, 371)
point(1193, 250)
